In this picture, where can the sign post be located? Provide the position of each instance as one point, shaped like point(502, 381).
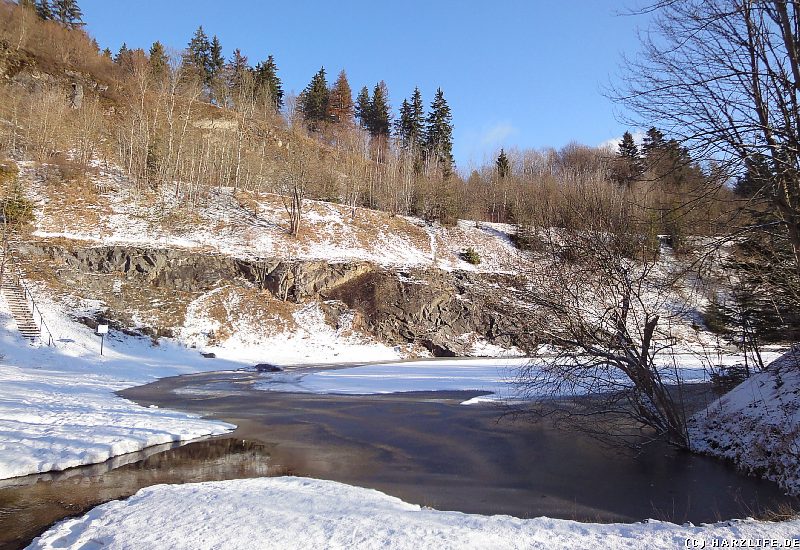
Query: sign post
point(102, 330)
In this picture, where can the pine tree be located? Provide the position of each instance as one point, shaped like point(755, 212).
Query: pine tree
point(267, 81)
point(236, 70)
point(43, 10)
point(627, 148)
point(653, 141)
point(410, 127)
point(122, 54)
point(107, 54)
point(402, 125)
point(439, 132)
point(502, 165)
point(314, 100)
point(158, 61)
point(628, 164)
point(362, 108)
point(216, 62)
point(215, 69)
point(68, 13)
point(197, 58)
point(380, 116)
point(340, 101)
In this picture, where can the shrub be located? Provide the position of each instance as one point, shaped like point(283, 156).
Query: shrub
point(16, 210)
point(8, 174)
point(469, 255)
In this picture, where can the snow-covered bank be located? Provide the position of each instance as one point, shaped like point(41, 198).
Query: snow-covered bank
point(57, 406)
point(498, 377)
point(303, 513)
point(757, 424)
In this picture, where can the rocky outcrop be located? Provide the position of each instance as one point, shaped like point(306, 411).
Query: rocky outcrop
point(433, 308)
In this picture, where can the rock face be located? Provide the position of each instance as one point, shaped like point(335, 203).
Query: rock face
point(433, 308)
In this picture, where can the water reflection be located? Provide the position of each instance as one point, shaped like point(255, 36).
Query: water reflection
point(29, 504)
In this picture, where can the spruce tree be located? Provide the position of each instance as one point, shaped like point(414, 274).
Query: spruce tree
point(215, 70)
point(402, 125)
point(362, 107)
point(340, 101)
point(439, 132)
point(197, 58)
point(216, 63)
point(158, 61)
point(122, 54)
point(627, 148)
point(236, 71)
point(267, 81)
point(380, 117)
point(314, 100)
point(653, 141)
point(410, 127)
point(43, 10)
point(67, 13)
point(502, 165)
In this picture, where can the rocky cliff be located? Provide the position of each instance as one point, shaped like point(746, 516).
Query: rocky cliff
point(437, 309)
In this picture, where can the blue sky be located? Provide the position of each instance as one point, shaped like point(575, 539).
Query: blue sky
point(516, 73)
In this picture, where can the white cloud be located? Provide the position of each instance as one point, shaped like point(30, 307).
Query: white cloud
point(613, 143)
point(496, 134)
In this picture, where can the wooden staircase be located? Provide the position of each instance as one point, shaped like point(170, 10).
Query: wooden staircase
point(16, 296)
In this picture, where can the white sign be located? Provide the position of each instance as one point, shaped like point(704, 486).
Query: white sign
point(102, 329)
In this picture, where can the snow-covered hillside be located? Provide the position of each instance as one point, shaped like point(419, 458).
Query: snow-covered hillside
point(757, 424)
point(106, 210)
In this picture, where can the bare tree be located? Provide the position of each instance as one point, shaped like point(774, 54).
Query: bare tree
point(292, 184)
point(603, 306)
point(725, 75)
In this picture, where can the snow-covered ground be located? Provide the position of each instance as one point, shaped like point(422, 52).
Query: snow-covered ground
point(255, 225)
point(288, 513)
point(58, 409)
point(757, 424)
point(499, 377)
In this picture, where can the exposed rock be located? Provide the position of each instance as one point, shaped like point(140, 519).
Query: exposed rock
point(267, 367)
point(429, 307)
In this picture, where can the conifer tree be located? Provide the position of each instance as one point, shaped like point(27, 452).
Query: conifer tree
point(67, 13)
point(402, 125)
point(362, 107)
point(653, 141)
point(340, 101)
point(121, 54)
point(410, 127)
point(158, 61)
point(314, 100)
point(43, 10)
point(439, 132)
point(197, 58)
point(236, 70)
point(267, 81)
point(216, 63)
point(627, 166)
point(215, 69)
point(380, 117)
point(502, 165)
